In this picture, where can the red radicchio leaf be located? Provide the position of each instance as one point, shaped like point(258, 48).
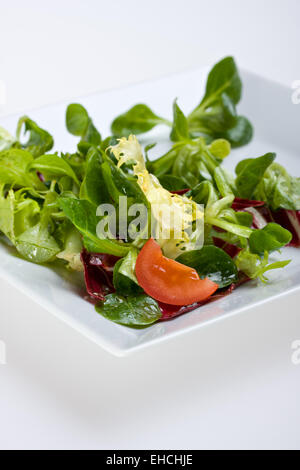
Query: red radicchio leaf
point(258, 210)
point(231, 250)
point(41, 177)
point(180, 192)
point(98, 273)
point(291, 221)
point(172, 311)
point(239, 204)
point(107, 262)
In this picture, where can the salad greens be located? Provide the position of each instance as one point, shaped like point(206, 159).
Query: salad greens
point(278, 189)
point(83, 215)
point(124, 278)
point(53, 205)
point(250, 172)
point(133, 310)
point(39, 141)
point(255, 267)
point(80, 124)
point(137, 120)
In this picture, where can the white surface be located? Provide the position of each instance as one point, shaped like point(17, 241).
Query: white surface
point(230, 385)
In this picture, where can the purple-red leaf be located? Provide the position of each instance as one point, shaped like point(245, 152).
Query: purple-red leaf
point(291, 221)
point(239, 204)
point(98, 273)
point(180, 192)
point(231, 250)
point(41, 177)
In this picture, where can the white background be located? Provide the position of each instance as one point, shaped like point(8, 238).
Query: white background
point(231, 385)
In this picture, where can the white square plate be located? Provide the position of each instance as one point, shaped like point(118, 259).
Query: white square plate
point(276, 121)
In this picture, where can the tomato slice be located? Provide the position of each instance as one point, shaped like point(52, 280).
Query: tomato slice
point(167, 280)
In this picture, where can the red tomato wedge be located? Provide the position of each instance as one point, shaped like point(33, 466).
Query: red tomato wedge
point(167, 280)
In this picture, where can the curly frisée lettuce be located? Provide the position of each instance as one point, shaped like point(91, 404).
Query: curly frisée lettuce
point(207, 231)
point(169, 211)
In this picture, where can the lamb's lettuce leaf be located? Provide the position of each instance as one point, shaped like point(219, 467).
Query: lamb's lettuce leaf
point(253, 266)
point(250, 174)
point(215, 116)
point(71, 241)
point(39, 141)
point(52, 167)
point(137, 120)
point(270, 238)
point(80, 124)
point(14, 172)
point(124, 278)
point(7, 206)
point(240, 134)
point(133, 310)
point(223, 78)
point(213, 263)
point(180, 128)
point(82, 214)
point(93, 187)
point(279, 189)
point(37, 244)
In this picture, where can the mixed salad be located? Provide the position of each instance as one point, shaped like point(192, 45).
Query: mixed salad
point(136, 276)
